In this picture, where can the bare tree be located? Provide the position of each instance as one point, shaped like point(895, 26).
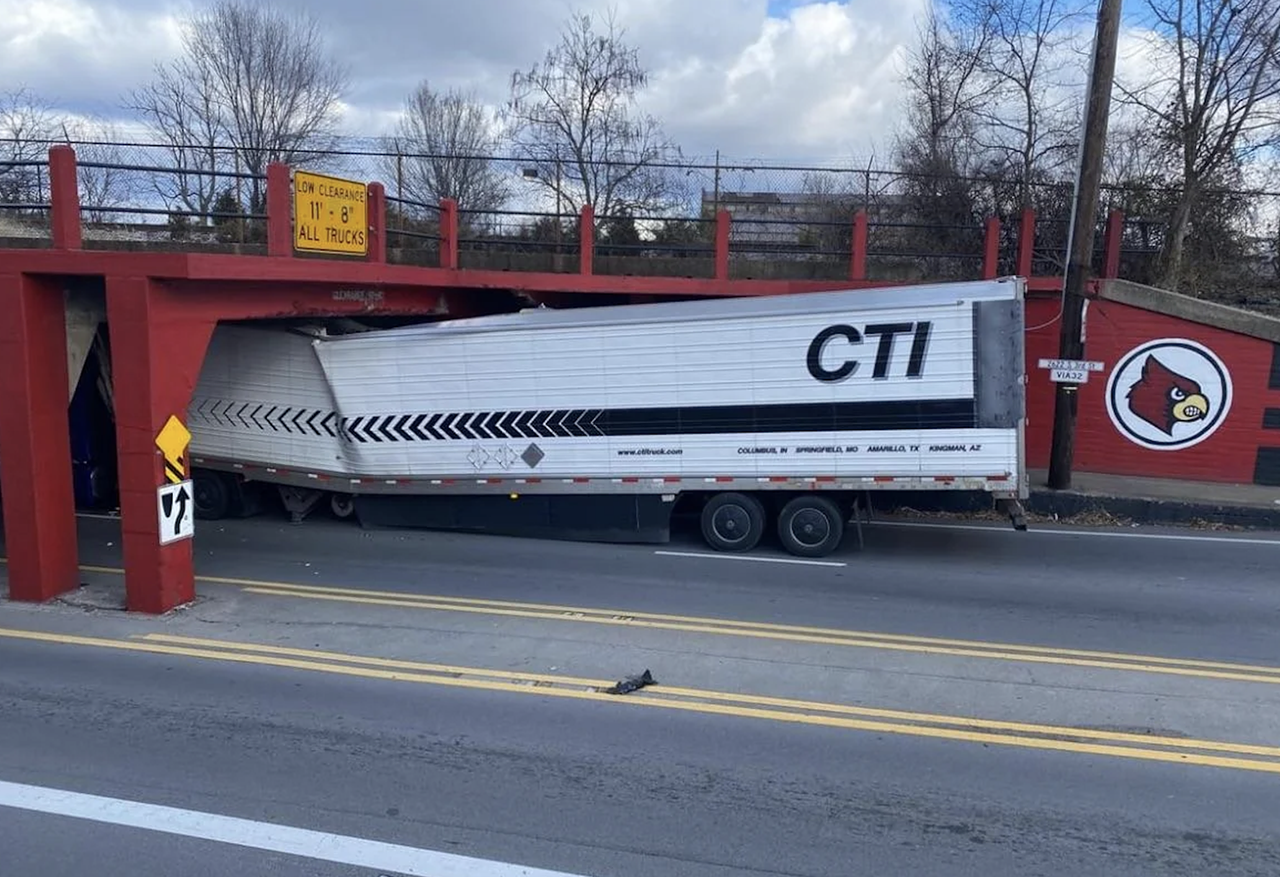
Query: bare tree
point(27, 126)
point(936, 149)
point(1216, 105)
point(257, 78)
point(180, 107)
point(945, 93)
point(443, 148)
point(1028, 127)
point(573, 119)
point(103, 185)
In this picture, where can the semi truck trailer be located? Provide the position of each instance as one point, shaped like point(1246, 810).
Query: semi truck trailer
point(773, 415)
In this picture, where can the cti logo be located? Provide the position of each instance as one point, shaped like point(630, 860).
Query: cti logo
point(1169, 394)
point(885, 332)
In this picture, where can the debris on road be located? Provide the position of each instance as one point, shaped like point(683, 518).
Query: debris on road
point(632, 683)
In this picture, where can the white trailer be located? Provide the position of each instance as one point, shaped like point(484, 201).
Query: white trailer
point(765, 414)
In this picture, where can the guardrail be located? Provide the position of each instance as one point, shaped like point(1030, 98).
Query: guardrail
point(444, 236)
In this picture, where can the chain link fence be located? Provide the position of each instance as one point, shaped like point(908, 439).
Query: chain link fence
point(792, 221)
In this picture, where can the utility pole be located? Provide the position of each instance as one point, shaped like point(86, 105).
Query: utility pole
point(1083, 220)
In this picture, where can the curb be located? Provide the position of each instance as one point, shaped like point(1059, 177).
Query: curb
point(1067, 504)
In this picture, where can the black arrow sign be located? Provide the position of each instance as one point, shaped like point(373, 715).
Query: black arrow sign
point(182, 500)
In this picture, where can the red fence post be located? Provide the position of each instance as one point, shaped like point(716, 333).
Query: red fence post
point(279, 210)
point(1026, 242)
point(448, 233)
point(377, 206)
point(858, 252)
point(64, 198)
point(723, 223)
point(1111, 244)
point(991, 249)
point(586, 239)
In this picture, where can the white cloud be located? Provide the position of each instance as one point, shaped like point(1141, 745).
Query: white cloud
point(80, 55)
point(818, 81)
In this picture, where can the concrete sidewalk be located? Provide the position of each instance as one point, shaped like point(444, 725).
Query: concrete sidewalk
point(1117, 499)
point(1157, 500)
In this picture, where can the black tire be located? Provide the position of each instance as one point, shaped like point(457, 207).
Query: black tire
point(733, 522)
point(212, 495)
point(343, 505)
point(810, 526)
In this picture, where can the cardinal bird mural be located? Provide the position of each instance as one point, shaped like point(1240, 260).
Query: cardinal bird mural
point(1163, 398)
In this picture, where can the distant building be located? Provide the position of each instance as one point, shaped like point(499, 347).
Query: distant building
point(785, 218)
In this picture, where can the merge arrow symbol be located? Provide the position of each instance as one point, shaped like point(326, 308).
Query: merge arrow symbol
point(182, 499)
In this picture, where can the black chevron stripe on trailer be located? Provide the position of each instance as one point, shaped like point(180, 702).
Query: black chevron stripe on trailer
point(936, 414)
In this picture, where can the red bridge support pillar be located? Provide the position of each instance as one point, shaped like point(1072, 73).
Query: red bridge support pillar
point(157, 351)
point(35, 447)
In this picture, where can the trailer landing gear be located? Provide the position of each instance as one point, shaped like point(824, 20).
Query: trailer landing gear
point(1017, 514)
point(299, 501)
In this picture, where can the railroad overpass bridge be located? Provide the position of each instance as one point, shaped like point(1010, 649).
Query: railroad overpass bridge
point(160, 302)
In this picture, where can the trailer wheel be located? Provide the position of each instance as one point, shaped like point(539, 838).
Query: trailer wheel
point(212, 495)
point(810, 526)
point(733, 522)
point(343, 505)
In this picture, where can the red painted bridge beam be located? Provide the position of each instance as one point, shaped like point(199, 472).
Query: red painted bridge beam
point(35, 444)
point(158, 348)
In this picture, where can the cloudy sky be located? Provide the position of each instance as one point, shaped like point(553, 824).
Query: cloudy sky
point(776, 79)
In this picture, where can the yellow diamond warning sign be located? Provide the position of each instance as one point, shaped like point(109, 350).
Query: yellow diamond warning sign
point(330, 215)
point(172, 441)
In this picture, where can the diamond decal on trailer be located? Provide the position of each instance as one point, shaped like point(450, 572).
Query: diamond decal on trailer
point(478, 457)
point(505, 456)
point(532, 455)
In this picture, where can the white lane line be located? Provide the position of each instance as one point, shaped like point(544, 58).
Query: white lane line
point(1031, 529)
point(97, 516)
point(326, 847)
point(703, 556)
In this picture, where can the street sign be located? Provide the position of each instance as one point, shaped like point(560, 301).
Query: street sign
point(172, 441)
point(1069, 375)
point(1070, 371)
point(330, 215)
point(176, 506)
point(1073, 364)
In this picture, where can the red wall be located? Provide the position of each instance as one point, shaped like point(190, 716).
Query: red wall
point(1243, 445)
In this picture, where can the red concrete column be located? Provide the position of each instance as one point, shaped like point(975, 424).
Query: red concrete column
point(35, 448)
point(157, 352)
point(1111, 242)
point(1026, 242)
point(586, 239)
point(448, 233)
point(377, 201)
point(723, 226)
point(991, 249)
point(279, 210)
point(858, 252)
point(64, 198)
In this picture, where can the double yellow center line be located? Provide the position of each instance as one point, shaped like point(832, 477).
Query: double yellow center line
point(760, 630)
point(1175, 750)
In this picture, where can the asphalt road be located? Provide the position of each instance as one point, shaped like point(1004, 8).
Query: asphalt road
point(926, 708)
